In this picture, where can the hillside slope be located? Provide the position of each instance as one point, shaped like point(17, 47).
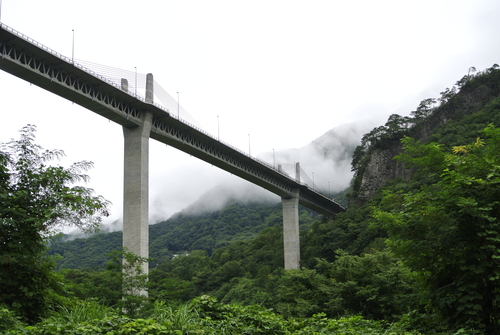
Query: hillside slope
point(455, 118)
point(181, 233)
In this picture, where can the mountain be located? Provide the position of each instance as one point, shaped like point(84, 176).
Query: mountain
point(229, 212)
point(183, 232)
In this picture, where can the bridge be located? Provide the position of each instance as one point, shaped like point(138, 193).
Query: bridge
point(142, 119)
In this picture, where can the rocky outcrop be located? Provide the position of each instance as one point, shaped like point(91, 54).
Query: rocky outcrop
point(379, 166)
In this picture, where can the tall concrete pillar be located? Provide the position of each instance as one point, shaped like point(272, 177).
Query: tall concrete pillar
point(136, 184)
point(291, 239)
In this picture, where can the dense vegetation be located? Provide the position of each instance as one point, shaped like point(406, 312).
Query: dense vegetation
point(36, 197)
point(181, 233)
point(419, 256)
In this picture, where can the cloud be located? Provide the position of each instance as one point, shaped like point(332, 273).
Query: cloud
point(327, 159)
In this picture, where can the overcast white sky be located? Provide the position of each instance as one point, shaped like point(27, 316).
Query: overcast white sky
point(284, 72)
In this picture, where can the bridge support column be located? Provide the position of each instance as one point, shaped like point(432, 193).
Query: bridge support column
point(291, 239)
point(136, 186)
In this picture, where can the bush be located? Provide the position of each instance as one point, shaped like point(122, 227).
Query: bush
point(9, 320)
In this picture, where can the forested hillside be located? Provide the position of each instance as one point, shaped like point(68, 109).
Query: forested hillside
point(183, 232)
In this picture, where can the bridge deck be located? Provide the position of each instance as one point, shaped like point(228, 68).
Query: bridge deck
point(37, 64)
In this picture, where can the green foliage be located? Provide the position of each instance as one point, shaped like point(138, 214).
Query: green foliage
point(466, 129)
point(35, 198)
point(187, 276)
point(351, 231)
point(179, 234)
point(111, 325)
point(376, 286)
point(76, 311)
point(133, 281)
point(9, 320)
point(237, 319)
point(105, 286)
point(182, 318)
point(211, 230)
point(205, 315)
point(449, 232)
point(85, 253)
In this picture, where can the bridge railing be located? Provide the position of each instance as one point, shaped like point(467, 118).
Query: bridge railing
point(110, 82)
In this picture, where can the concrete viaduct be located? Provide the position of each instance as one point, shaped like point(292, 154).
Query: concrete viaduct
point(142, 119)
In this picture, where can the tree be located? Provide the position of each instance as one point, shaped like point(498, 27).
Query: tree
point(424, 109)
point(449, 230)
point(35, 198)
point(397, 125)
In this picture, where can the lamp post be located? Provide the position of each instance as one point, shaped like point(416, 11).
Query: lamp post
point(178, 107)
point(72, 46)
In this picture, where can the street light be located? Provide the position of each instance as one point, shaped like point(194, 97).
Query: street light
point(72, 47)
point(178, 106)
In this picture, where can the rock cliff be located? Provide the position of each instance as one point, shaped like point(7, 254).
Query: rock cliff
point(376, 166)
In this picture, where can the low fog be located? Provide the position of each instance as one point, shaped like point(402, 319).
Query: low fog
point(194, 187)
point(198, 187)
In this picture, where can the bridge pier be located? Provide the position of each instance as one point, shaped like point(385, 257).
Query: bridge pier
point(136, 183)
point(291, 235)
point(291, 239)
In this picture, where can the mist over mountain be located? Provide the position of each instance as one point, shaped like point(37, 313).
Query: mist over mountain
point(217, 198)
point(326, 161)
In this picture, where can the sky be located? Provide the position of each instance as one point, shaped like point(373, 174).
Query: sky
point(263, 76)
